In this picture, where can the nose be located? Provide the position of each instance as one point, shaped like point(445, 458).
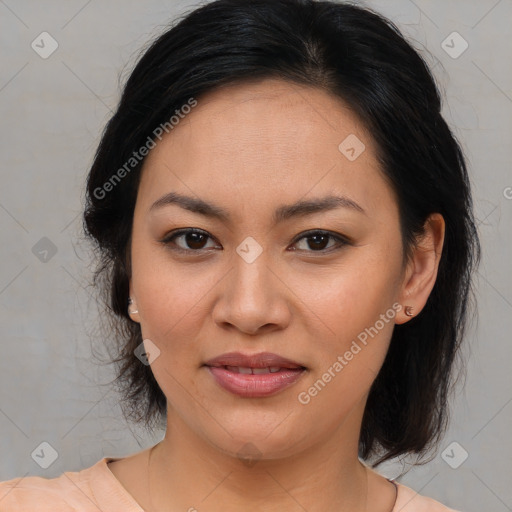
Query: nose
point(253, 299)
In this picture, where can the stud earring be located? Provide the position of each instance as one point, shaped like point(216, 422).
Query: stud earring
point(408, 311)
point(130, 301)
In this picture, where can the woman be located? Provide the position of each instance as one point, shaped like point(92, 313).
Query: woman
point(286, 234)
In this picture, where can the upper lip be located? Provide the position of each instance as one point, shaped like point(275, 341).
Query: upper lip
point(260, 360)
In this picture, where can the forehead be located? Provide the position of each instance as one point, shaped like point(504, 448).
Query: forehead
point(259, 138)
point(271, 114)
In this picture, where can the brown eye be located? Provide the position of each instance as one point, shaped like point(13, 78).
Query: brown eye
point(318, 241)
point(195, 240)
point(191, 240)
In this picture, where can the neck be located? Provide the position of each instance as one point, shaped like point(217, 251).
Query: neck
point(325, 476)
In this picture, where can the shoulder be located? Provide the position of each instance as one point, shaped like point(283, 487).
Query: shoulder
point(410, 501)
point(68, 492)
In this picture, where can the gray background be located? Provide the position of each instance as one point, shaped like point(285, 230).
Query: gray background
point(53, 110)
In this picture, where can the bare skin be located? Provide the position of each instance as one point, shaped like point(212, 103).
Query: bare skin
point(250, 149)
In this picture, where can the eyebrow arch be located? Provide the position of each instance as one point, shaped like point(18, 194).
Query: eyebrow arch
point(282, 213)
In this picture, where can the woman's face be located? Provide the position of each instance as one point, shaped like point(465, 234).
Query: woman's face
point(259, 277)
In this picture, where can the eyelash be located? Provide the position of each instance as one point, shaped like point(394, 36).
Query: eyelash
point(341, 241)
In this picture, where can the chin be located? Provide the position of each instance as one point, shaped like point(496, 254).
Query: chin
point(249, 441)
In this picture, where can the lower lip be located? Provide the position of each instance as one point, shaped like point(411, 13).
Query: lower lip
point(255, 386)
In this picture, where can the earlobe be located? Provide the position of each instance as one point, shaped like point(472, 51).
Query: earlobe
point(133, 311)
point(409, 311)
point(421, 272)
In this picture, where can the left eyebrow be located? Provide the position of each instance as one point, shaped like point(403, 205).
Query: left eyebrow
point(281, 214)
point(309, 207)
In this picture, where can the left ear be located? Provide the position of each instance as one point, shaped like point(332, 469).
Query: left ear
point(421, 272)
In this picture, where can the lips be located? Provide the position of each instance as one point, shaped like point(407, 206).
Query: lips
point(252, 376)
point(261, 360)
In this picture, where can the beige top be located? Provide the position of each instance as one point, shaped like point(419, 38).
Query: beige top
point(96, 489)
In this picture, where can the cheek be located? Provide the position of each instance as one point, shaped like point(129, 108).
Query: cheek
point(171, 299)
point(355, 305)
point(359, 321)
point(351, 298)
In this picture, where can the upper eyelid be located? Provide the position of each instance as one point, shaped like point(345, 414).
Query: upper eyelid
point(184, 231)
point(311, 232)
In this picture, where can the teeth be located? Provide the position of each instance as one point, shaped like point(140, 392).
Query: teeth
point(257, 371)
point(254, 371)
